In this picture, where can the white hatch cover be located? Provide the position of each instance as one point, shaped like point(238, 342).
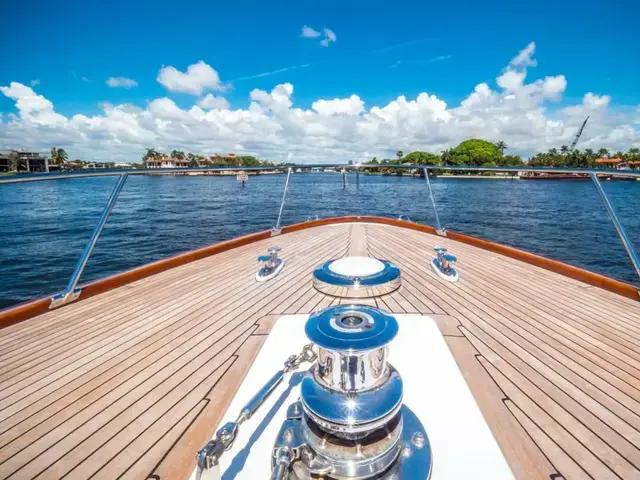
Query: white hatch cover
point(357, 266)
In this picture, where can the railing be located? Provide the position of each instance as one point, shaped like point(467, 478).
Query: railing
point(72, 292)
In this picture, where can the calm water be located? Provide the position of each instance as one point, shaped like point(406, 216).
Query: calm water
point(44, 225)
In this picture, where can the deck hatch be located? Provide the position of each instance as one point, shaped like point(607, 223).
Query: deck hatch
point(357, 277)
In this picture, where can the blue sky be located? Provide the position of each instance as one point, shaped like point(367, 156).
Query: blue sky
point(382, 50)
point(594, 44)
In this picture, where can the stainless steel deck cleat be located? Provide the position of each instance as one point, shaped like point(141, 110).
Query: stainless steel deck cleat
point(442, 265)
point(271, 265)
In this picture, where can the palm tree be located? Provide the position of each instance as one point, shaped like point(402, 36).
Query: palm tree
point(150, 153)
point(445, 156)
point(179, 154)
point(633, 153)
point(58, 156)
point(620, 155)
point(564, 149)
point(553, 151)
point(62, 156)
point(399, 154)
point(603, 153)
point(502, 146)
point(14, 161)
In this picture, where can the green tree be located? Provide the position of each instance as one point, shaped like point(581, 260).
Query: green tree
point(502, 146)
point(564, 150)
point(603, 153)
point(633, 153)
point(399, 155)
point(150, 154)
point(58, 156)
point(445, 157)
point(511, 161)
point(474, 152)
point(422, 158)
point(62, 156)
point(14, 161)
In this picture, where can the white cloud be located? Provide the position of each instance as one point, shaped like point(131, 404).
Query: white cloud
point(524, 57)
point(308, 32)
point(329, 37)
point(339, 106)
point(331, 129)
point(198, 78)
point(123, 82)
point(210, 101)
point(34, 109)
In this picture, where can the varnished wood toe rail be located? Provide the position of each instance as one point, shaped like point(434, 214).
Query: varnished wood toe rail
point(31, 309)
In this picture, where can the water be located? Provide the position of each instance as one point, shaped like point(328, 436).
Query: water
point(45, 225)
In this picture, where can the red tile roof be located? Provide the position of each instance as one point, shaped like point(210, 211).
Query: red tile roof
point(609, 160)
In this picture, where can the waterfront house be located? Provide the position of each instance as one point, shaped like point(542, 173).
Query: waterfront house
point(166, 162)
point(5, 160)
point(610, 163)
point(27, 161)
point(229, 159)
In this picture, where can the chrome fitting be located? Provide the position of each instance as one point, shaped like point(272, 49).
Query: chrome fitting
point(441, 265)
point(63, 298)
point(271, 265)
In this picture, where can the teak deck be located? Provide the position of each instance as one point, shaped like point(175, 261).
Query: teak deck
point(132, 382)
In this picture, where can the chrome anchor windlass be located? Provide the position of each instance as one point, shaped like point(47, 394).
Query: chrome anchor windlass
point(350, 422)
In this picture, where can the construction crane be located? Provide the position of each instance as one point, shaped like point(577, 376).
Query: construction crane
point(577, 137)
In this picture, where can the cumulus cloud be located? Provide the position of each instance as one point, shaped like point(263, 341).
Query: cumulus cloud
point(34, 109)
point(329, 37)
point(308, 32)
point(339, 106)
point(272, 126)
point(195, 80)
point(210, 101)
point(121, 82)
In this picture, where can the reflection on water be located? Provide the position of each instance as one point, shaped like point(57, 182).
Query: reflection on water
point(45, 225)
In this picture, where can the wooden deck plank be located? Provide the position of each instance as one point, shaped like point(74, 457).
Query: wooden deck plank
point(156, 356)
point(16, 384)
point(525, 459)
point(467, 295)
point(132, 382)
point(163, 285)
point(569, 364)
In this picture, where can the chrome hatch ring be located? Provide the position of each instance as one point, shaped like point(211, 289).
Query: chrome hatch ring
point(357, 277)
